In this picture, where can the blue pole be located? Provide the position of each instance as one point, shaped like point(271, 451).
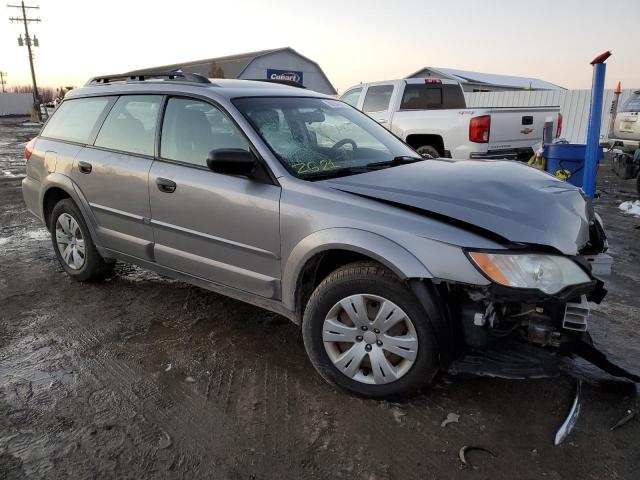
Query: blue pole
point(592, 153)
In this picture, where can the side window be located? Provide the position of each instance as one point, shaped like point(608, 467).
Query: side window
point(131, 124)
point(191, 129)
point(351, 96)
point(633, 104)
point(74, 120)
point(377, 98)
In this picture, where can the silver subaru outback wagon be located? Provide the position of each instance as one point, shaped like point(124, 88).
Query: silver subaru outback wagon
point(395, 265)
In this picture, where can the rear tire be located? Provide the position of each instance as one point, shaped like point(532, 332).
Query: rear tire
point(429, 150)
point(73, 245)
point(402, 346)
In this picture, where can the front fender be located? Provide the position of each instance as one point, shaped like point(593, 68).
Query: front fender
point(387, 252)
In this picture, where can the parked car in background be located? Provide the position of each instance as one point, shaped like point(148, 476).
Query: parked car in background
point(431, 115)
point(299, 203)
point(626, 126)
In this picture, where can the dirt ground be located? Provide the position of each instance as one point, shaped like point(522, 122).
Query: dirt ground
point(144, 377)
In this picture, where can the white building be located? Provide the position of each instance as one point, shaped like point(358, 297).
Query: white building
point(279, 63)
point(484, 82)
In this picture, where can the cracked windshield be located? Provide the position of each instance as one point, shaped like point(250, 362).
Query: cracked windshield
point(317, 137)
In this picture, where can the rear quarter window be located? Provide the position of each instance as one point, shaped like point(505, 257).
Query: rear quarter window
point(74, 120)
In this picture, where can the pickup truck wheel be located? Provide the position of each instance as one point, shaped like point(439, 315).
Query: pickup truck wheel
point(364, 331)
point(72, 243)
point(429, 150)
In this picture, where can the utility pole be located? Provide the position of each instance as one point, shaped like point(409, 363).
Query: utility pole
point(27, 39)
point(3, 82)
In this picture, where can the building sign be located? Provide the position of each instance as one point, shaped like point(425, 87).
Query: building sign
point(291, 75)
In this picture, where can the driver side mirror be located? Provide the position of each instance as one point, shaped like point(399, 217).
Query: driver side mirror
point(232, 161)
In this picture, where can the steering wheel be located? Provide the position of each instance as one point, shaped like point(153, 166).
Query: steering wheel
point(344, 142)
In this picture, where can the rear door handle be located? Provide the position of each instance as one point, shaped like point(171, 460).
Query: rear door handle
point(165, 185)
point(84, 167)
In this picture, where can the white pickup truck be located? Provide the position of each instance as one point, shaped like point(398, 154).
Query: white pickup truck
point(431, 115)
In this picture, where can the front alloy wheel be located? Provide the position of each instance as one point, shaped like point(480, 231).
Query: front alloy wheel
point(365, 331)
point(370, 339)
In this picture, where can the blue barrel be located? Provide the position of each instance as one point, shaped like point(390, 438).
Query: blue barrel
point(567, 156)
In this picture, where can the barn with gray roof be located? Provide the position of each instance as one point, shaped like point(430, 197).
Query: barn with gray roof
point(275, 64)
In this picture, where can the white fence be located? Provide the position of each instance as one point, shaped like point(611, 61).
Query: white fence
point(15, 103)
point(574, 106)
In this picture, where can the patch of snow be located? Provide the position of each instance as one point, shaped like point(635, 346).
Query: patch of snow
point(4, 240)
point(631, 207)
point(40, 234)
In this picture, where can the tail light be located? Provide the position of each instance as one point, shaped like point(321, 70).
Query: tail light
point(28, 149)
point(479, 129)
point(559, 127)
point(432, 80)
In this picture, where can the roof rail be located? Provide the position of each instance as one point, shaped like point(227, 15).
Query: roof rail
point(142, 76)
point(289, 83)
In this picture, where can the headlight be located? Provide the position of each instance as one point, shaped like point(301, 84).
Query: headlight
point(548, 273)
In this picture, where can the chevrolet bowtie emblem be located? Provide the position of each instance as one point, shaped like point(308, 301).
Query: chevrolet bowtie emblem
point(526, 130)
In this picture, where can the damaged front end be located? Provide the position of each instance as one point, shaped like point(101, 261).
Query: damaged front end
point(506, 330)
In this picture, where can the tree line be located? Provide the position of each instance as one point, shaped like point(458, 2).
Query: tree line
point(47, 94)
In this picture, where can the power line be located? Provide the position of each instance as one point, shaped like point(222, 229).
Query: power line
point(29, 42)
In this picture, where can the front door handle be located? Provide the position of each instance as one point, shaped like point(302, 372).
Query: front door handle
point(84, 167)
point(165, 185)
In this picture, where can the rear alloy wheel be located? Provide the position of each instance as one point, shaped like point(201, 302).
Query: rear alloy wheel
point(73, 245)
point(70, 241)
point(365, 331)
point(428, 150)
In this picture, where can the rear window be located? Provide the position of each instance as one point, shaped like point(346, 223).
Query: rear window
point(74, 120)
point(420, 96)
point(377, 98)
point(633, 104)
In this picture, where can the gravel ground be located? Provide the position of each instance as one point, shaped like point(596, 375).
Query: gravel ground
point(145, 377)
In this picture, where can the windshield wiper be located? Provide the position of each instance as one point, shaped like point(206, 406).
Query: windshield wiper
point(401, 160)
point(338, 172)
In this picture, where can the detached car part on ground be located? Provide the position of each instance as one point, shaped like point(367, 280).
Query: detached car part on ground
point(395, 265)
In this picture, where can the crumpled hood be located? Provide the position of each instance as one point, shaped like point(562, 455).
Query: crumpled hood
point(510, 199)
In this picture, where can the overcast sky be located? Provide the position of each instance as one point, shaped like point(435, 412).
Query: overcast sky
point(353, 41)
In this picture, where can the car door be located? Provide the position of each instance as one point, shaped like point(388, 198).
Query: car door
point(113, 174)
point(377, 99)
point(222, 228)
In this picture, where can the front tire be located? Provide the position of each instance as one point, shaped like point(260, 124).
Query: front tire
point(73, 245)
point(365, 331)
